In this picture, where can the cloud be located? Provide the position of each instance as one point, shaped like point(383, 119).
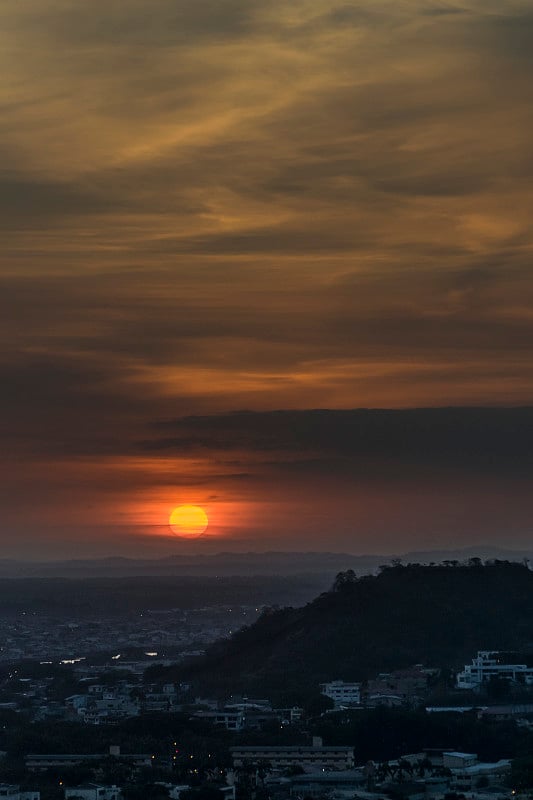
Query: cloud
point(465, 440)
point(162, 23)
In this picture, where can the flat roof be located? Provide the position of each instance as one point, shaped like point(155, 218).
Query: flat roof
point(293, 748)
point(45, 756)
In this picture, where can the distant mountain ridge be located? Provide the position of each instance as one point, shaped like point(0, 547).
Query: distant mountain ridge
point(228, 564)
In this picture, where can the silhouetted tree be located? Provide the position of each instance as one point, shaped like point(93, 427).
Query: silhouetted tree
point(344, 579)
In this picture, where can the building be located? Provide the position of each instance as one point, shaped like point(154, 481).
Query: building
point(506, 712)
point(407, 684)
point(467, 778)
point(455, 709)
point(290, 716)
point(385, 700)
point(12, 792)
point(309, 758)
point(317, 784)
point(342, 693)
point(247, 714)
point(174, 790)
point(231, 719)
point(494, 664)
point(455, 760)
point(93, 791)
point(37, 762)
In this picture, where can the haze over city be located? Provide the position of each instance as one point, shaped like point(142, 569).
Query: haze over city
point(228, 228)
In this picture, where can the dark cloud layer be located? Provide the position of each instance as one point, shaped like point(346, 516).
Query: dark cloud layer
point(468, 440)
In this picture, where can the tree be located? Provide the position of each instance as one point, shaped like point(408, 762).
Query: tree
point(146, 791)
point(424, 765)
point(522, 773)
point(317, 704)
point(343, 580)
point(497, 688)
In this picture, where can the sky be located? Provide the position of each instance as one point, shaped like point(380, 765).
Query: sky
point(219, 217)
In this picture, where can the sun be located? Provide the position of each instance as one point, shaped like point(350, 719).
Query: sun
point(188, 521)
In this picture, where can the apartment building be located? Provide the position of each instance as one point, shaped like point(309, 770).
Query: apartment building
point(494, 664)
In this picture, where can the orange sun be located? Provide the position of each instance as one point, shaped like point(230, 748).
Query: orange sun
point(188, 521)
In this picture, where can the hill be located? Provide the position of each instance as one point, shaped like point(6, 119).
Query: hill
point(439, 615)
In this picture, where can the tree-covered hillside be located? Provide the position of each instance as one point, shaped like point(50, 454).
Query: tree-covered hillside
point(438, 615)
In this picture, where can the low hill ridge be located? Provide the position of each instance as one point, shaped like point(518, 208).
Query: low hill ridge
point(438, 615)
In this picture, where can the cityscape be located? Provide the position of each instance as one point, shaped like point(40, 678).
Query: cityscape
point(122, 706)
point(266, 400)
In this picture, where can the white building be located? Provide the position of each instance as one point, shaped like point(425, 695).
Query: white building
point(493, 664)
point(342, 694)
